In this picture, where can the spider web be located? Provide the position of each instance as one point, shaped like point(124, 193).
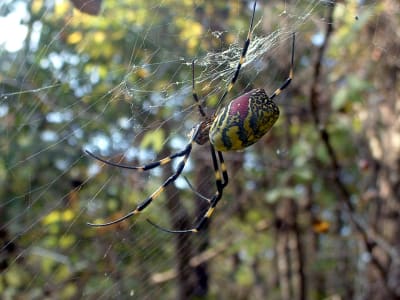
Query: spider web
point(126, 109)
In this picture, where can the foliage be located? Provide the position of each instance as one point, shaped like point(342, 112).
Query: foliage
point(119, 84)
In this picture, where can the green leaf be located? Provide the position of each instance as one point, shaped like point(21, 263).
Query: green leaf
point(353, 92)
point(154, 140)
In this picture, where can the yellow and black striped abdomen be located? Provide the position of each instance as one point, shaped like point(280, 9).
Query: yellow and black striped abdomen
point(244, 121)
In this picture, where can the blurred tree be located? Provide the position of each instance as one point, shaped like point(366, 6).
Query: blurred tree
point(311, 211)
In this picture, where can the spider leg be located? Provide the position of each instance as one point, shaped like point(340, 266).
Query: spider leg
point(290, 77)
point(242, 57)
point(195, 96)
point(149, 166)
point(221, 183)
point(218, 181)
point(141, 206)
point(156, 193)
point(194, 190)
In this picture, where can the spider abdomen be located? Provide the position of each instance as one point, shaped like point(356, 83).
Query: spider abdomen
point(244, 121)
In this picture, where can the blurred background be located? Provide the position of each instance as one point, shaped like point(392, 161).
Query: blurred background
point(311, 210)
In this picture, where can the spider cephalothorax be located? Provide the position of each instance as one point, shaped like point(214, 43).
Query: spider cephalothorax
point(204, 130)
point(235, 126)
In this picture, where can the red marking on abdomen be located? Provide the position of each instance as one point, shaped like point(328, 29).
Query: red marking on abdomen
point(240, 105)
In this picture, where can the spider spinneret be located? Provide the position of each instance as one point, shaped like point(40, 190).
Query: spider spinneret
point(235, 126)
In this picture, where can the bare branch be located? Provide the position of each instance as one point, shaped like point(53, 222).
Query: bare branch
point(368, 240)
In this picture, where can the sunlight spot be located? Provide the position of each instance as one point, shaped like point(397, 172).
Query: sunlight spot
point(365, 257)
point(13, 38)
point(3, 110)
point(345, 231)
point(35, 36)
point(61, 164)
point(318, 39)
point(93, 169)
point(49, 136)
point(59, 117)
point(56, 60)
point(101, 142)
point(124, 123)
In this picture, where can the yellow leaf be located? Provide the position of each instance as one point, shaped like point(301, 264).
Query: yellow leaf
point(61, 8)
point(67, 240)
point(321, 226)
point(37, 6)
point(74, 37)
point(68, 215)
point(52, 217)
point(15, 276)
point(99, 37)
point(142, 72)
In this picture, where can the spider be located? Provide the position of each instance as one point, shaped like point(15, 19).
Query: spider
point(233, 127)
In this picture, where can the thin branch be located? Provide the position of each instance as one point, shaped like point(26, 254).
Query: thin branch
point(368, 242)
point(206, 255)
